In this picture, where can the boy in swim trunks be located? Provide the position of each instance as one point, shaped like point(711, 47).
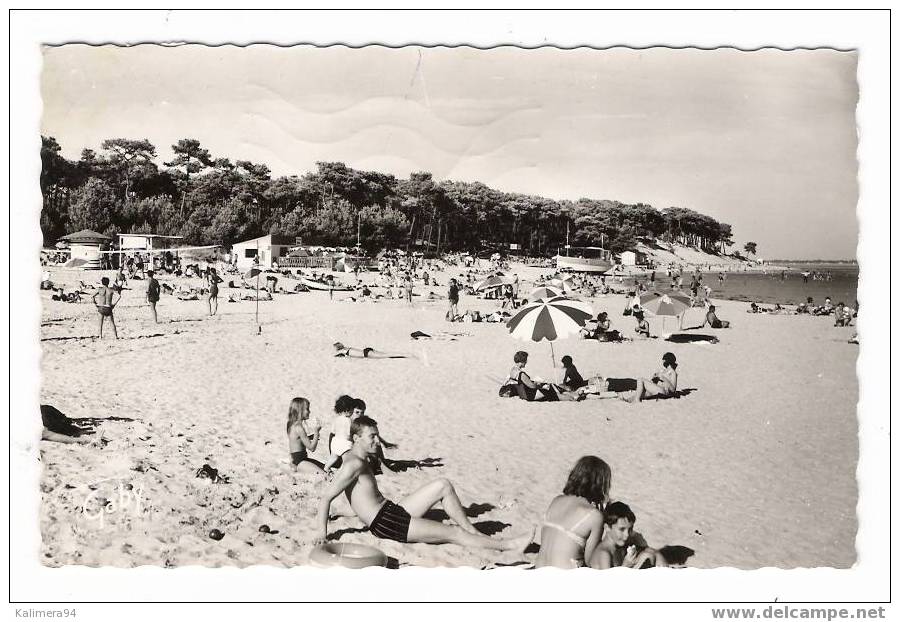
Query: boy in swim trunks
point(106, 305)
point(617, 547)
point(402, 521)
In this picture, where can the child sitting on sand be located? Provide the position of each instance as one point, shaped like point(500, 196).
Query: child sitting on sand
point(300, 441)
point(339, 440)
point(615, 548)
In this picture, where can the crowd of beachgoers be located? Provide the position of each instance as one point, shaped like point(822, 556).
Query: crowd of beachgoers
point(582, 526)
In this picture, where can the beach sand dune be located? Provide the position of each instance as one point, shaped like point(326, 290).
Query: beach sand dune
point(754, 468)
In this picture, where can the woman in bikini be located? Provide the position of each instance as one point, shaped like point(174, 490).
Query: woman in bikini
point(573, 525)
point(212, 299)
point(300, 440)
point(340, 350)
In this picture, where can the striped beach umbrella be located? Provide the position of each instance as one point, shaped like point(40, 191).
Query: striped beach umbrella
point(551, 319)
point(543, 293)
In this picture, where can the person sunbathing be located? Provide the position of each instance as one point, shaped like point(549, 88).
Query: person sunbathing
point(617, 548)
point(520, 384)
point(403, 521)
point(713, 320)
point(663, 383)
point(573, 524)
point(61, 429)
point(340, 350)
point(603, 331)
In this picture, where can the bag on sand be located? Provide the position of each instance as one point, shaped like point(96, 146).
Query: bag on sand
point(508, 390)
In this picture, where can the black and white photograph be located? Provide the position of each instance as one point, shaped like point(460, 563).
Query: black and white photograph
point(503, 308)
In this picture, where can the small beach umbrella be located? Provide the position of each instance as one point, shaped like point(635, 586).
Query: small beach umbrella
point(551, 319)
point(543, 293)
point(493, 281)
point(665, 303)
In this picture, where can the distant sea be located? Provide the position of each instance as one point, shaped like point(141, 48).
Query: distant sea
point(769, 287)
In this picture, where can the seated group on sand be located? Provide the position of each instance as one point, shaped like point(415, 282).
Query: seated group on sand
point(581, 528)
point(572, 386)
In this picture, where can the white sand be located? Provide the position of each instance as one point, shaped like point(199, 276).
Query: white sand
point(755, 468)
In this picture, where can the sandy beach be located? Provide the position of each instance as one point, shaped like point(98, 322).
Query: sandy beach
point(754, 468)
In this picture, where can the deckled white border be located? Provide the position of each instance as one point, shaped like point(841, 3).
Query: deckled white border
point(868, 581)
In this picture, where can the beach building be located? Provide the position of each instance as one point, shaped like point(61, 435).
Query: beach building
point(633, 258)
point(85, 247)
point(137, 242)
point(262, 250)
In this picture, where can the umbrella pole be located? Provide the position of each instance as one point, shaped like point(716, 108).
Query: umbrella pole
point(552, 355)
point(258, 327)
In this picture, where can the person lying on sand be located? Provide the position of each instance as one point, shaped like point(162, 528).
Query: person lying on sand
point(340, 350)
point(300, 440)
point(573, 524)
point(62, 429)
point(401, 521)
point(664, 382)
point(616, 548)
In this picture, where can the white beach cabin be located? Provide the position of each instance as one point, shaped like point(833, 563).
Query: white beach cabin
point(85, 247)
point(633, 258)
point(270, 247)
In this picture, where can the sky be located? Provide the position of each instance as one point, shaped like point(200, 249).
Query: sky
point(763, 140)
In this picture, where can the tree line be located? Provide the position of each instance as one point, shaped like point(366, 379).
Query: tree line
point(214, 200)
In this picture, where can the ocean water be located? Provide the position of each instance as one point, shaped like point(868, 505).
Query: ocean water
point(770, 288)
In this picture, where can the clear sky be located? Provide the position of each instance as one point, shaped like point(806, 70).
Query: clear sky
point(763, 140)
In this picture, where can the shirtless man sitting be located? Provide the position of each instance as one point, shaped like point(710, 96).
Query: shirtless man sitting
point(401, 522)
point(106, 305)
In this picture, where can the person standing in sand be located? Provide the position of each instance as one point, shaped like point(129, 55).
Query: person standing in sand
point(453, 296)
point(152, 294)
point(212, 298)
point(401, 522)
point(106, 305)
point(409, 288)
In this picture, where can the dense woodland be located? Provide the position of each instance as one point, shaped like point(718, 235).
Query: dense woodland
point(213, 200)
